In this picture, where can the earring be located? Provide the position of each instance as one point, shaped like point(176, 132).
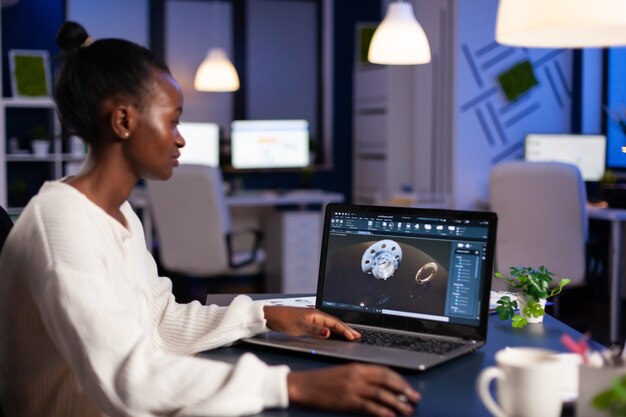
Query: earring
point(126, 134)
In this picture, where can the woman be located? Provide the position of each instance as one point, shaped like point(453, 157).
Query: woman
point(87, 327)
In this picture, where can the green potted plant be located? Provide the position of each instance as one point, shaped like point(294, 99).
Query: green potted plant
point(613, 399)
point(532, 287)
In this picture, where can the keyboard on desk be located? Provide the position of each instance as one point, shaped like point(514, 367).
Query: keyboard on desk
point(404, 341)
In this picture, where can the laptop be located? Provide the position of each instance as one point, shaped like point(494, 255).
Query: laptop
point(415, 282)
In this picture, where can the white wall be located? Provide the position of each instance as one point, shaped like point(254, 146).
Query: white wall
point(122, 19)
point(191, 28)
point(282, 46)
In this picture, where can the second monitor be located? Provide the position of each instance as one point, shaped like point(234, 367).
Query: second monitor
point(269, 144)
point(201, 144)
point(587, 152)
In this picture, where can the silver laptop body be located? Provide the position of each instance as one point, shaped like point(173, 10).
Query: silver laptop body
point(406, 272)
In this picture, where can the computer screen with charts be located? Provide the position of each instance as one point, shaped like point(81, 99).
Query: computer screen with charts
point(269, 144)
point(202, 141)
point(587, 152)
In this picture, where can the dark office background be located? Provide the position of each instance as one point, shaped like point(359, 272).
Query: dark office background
point(32, 24)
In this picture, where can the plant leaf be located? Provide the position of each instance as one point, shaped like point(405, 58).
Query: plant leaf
point(612, 399)
point(505, 309)
point(534, 309)
point(603, 400)
point(518, 322)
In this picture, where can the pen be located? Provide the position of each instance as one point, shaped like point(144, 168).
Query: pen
point(580, 347)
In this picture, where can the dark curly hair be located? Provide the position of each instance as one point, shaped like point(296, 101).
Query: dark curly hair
point(94, 71)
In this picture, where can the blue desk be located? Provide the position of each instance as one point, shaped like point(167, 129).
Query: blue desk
point(447, 391)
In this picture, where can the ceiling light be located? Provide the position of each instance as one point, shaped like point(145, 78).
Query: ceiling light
point(216, 73)
point(561, 23)
point(399, 39)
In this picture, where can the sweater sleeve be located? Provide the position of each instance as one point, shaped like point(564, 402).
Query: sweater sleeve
point(89, 309)
point(191, 328)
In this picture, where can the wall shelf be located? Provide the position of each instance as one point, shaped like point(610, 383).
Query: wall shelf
point(22, 173)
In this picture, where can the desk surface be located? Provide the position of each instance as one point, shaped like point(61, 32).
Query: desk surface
point(139, 197)
point(282, 198)
point(447, 390)
point(613, 214)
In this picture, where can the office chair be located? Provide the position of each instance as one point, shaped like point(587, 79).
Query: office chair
point(194, 231)
point(542, 218)
point(5, 226)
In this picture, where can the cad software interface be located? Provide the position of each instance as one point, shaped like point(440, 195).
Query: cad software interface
point(416, 267)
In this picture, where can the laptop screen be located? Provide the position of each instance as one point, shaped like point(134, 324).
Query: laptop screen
point(407, 268)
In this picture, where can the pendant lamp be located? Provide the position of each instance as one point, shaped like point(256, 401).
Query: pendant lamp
point(561, 23)
point(216, 72)
point(399, 39)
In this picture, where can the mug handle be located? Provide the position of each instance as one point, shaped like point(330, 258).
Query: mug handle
point(482, 385)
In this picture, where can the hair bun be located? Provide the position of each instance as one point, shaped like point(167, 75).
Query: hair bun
point(71, 36)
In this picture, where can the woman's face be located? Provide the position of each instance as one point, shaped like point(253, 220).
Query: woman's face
point(153, 147)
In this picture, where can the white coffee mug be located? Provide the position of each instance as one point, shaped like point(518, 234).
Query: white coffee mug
point(529, 383)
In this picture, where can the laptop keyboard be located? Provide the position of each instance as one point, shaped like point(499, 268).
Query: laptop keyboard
point(408, 342)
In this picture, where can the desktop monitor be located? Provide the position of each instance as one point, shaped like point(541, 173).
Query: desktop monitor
point(587, 152)
point(269, 144)
point(202, 141)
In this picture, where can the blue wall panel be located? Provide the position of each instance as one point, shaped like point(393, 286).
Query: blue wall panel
point(30, 24)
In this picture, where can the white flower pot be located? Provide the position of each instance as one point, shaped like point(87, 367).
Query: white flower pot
point(522, 301)
point(41, 147)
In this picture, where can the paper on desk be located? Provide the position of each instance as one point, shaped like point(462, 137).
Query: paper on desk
point(292, 302)
point(310, 301)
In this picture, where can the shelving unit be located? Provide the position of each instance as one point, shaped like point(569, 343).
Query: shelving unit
point(405, 122)
point(22, 173)
point(382, 132)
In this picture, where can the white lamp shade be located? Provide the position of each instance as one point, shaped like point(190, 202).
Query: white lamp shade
point(399, 39)
point(216, 73)
point(561, 23)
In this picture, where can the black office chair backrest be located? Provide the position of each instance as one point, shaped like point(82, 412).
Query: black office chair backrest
point(5, 226)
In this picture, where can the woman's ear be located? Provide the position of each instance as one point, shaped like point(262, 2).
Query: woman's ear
point(123, 120)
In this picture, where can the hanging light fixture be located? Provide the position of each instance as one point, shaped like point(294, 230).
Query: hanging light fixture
point(399, 39)
point(216, 72)
point(561, 23)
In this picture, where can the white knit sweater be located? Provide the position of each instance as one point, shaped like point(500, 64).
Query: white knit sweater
point(87, 328)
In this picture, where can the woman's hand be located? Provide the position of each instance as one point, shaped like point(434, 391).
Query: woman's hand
point(358, 388)
point(298, 321)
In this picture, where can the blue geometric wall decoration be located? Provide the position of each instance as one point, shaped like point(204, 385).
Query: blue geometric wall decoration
point(495, 115)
